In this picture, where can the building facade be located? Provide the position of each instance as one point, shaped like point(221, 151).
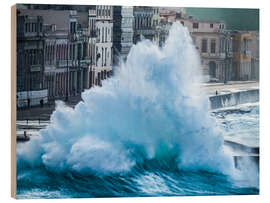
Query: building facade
point(213, 43)
point(241, 62)
point(30, 61)
point(123, 31)
point(91, 53)
point(143, 18)
point(75, 48)
point(104, 52)
point(255, 55)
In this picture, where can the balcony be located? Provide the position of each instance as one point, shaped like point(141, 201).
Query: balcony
point(214, 55)
point(63, 63)
point(35, 68)
point(85, 63)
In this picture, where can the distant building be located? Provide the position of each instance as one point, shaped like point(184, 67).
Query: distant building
point(91, 54)
point(104, 52)
point(122, 31)
point(214, 45)
point(143, 18)
point(170, 15)
point(155, 17)
point(255, 55)
point(241, 62)
point(30, 61)
point(210, 38)
point(76, 48)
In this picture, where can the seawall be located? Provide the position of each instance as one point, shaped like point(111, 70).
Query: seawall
point(234, 98)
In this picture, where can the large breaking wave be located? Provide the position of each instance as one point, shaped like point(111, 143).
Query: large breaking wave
point(152, 109)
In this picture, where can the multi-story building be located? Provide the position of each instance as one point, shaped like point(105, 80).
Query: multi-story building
point(170, 15)
point(241, 62)
point(69, 51)
point(91, 54)
point(211, 40)
point(155, 18)
point(143, 18)
point(56, 50)
point(123, 31)
point(104, 52)
point(214, 45)
point(30, 61)
point(255, 55)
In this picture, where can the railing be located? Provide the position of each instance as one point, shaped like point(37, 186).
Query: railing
point(35, 68)
point(27, 121)
point(214, 55)
point(63, 63)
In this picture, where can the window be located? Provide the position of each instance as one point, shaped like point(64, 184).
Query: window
point(25, 27)
point(196, 25)
point(79, 48)
point(105, 56)
point(72, 27)
point(106, 34)
point(213, 46)
point(204, 45)
point(222, 45)
point(235, 45)
point(211, 25)
point(97, 56)
point(102, 35)
point(31, 27)
point(102, 57)
point(245, 45)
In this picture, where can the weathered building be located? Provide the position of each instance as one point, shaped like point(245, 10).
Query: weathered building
point(143, 17)
point(241, 62)
point(104, 52)
point(255, 55)
point(122, 31)
point(156, 17)
point(214, 45)
point(210, 38)
point(91, 51)
point(30, 61)
point(69, 55)
point(170, 15)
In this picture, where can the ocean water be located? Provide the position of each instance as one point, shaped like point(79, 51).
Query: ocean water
point(241, 124)
point(147, 131)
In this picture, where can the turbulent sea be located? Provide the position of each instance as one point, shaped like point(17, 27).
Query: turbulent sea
point(148, 131)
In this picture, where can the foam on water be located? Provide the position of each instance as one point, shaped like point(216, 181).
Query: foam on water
point(152, 108)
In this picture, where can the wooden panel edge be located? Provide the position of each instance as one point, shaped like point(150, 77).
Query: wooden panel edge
point(13, 101)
